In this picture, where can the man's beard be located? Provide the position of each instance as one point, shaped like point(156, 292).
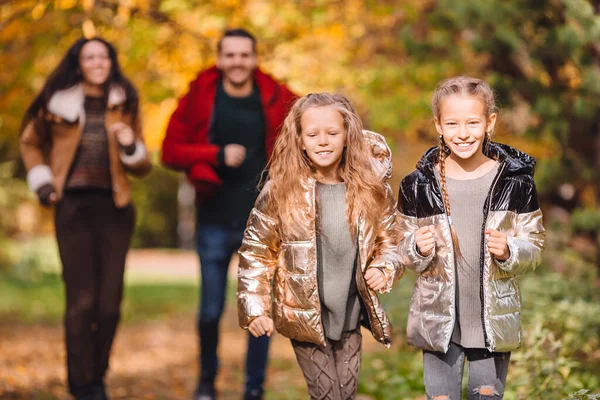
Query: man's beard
point(237, 83)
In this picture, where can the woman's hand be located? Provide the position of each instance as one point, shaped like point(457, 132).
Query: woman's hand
point(375, 279)
point(261, 326)
point(425, 240)
point(47, 194)
point(124, 133)
point(497, 244)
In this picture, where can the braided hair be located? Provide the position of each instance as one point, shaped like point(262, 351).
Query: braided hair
point(464, 86)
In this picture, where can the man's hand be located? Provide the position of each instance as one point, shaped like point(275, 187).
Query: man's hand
point(497, 244)
point(375, 279)
point(260, 326)
point(235, 154)
point(425, 240)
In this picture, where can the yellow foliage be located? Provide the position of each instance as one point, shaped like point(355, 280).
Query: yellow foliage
point(570, 73)
point(65, 4)
point(156, 118)
point(89, 29)
point(123, 13)
point(87, 5)
point(545, 79)
point(38, 11)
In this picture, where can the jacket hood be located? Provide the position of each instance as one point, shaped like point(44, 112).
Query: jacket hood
point(382, 154)
point(516, 162)
point(267, 85)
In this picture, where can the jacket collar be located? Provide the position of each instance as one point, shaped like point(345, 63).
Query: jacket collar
point(267, 85)
point(68, 103)
point(516, 162)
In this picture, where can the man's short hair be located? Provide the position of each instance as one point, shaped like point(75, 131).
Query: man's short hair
point(237, 33)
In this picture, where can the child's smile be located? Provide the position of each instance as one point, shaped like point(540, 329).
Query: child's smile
point(324, 139)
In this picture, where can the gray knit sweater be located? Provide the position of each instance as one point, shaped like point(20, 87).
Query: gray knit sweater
point(336, 263)
point(467, 198)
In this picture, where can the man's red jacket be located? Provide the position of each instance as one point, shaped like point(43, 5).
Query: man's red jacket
point(187, 144)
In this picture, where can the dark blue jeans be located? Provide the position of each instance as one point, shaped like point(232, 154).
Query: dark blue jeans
point(216, 244)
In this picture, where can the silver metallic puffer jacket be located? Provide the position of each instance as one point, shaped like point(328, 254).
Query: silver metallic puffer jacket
point(511, 207)
point(291, 263)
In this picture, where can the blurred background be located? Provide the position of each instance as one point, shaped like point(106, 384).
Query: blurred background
point(542, 57)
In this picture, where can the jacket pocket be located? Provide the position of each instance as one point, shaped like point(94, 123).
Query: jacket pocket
point(429, 291)
point(299, 257)
point(300, 291)
point(505, 296)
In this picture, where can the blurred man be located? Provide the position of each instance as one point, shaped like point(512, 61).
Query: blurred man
point(222, 134)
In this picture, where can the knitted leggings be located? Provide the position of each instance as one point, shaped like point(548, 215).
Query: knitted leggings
point(331, 372)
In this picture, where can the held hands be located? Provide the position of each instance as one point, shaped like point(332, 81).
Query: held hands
point(124, 133)
point(375, 279)
point(260, 326)
point(497, 244)
point(235, 154)
point(425, 240)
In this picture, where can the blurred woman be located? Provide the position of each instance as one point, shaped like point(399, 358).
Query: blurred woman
point(80, 137)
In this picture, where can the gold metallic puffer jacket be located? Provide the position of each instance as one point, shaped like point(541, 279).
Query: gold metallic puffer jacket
point(511, 207)
point(291, 264)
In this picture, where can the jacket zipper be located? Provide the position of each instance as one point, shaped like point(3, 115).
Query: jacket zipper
point(317, 246)
point(486, 212)
point(451, 249)
point(359, 270)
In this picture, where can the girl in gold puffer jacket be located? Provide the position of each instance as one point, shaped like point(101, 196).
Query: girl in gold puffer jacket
point(323, 239)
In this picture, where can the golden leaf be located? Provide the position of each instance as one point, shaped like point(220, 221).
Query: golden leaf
point(38, 11)
point(65, 4)
point(87, 4)
point(89, 29)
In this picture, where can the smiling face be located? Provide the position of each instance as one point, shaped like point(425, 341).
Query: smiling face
point(463, 123)
point(94, 63)
point(324, 138)
point(237, 60)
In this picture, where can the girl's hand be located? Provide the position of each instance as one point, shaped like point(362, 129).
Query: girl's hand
point(425, 240)
point(260, 326)
point(497, 244)
point(375, 279)
point(124, 133)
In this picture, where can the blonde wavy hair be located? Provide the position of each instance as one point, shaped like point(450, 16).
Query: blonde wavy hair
point(290, 166)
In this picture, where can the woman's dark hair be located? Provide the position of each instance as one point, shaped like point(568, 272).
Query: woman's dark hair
point(67, 74)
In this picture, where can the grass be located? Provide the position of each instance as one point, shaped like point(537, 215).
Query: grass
point(43, 301)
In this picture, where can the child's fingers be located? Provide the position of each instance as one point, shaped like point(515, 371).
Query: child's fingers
point(261, 325)
point(425, 250)
point(497, 242)
point(253, 331)
point(492, 233)
point(266, 326)
point(425, 242)
point(427, 230)
point(270, 328)
point(373, 276)
point(424, 234)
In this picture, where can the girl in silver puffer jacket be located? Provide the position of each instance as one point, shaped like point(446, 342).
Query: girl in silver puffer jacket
point(471, 223)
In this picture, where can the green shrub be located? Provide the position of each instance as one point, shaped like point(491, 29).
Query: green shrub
point(155, 199)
